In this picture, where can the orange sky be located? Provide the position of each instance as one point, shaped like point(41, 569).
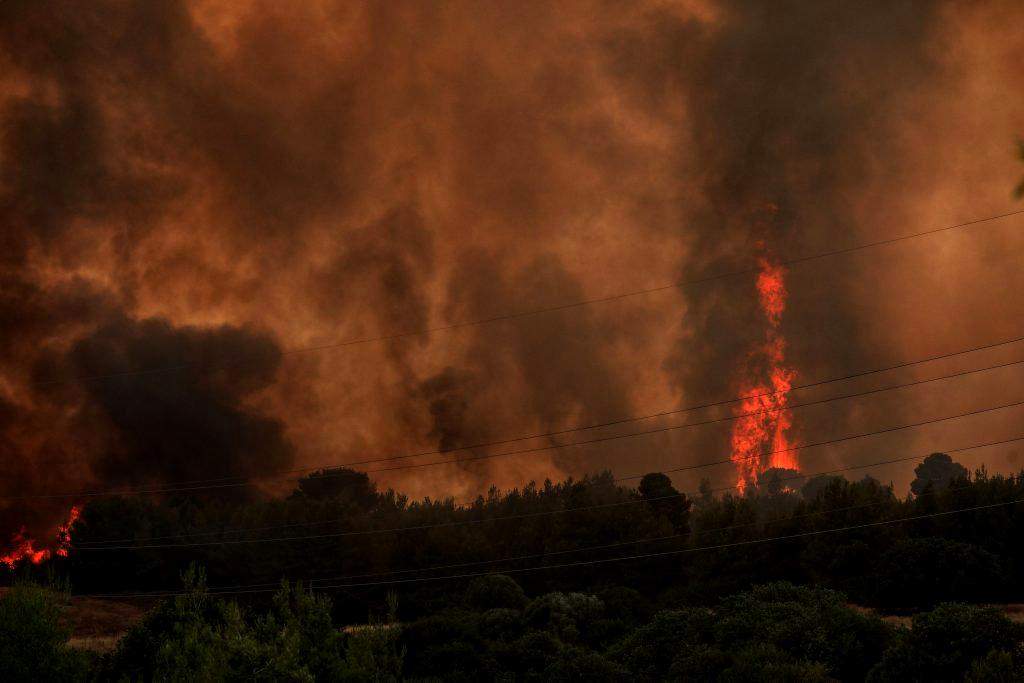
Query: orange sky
point(329, 171)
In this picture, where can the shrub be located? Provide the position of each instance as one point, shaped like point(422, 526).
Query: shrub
point(500, 623)
point(567, 615)
point(626, 604)
point(809, 624)
point(765, 662)
point(922, 572)
point(197, 636)
point(530, 655)
point(576, 664)
point(650, 651)
point(495, 590)
point(33, 641)
point(997, 666)
point(447, 644)
point(945, 643)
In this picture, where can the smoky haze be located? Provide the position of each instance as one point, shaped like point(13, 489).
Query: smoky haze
point(214, 187)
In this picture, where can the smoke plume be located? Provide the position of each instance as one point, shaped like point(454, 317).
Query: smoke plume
point(208, 209)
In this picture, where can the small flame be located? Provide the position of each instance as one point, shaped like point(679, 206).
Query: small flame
point(24, 549)
point(759, 437)
point(64, 532)
point(25, 546)
point(771, 289)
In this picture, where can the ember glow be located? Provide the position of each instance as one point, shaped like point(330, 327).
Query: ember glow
point(760, 438)
point(23, 547)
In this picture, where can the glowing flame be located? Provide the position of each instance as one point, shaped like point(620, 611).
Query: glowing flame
point(64, 532)
point(25, 547)
point(771, 288)
point(759, 438)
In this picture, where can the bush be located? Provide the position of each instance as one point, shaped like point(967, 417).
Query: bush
point(581, 665)
point(625, 604)
point(501, 623)
point(33, 641)
point(197, 636)
point(568, 616)
point(922, 572)
point(947, 642)
point(765, 662)
point(784, 631)
point(447, 644)
point(650, 651)
point(191, 636)
point(997, 666)
point(297, 637)
point(808, 624)
point(495, 590)
point(530, 655)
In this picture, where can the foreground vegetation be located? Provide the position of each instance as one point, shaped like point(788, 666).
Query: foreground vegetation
point(736, 587)
point(493, 631)
point(336, 526)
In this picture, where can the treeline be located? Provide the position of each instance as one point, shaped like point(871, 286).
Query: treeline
point(584, 579)
point(491, 630)
point(336, 526)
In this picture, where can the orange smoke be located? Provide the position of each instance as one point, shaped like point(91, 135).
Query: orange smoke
point(759, 437)
point(24, 546)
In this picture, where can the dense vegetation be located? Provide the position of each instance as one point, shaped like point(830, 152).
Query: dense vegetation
point(751, 587)
point(492, 631)
point(341, 527)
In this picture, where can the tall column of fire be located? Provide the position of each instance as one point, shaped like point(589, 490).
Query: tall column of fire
point(760, 438)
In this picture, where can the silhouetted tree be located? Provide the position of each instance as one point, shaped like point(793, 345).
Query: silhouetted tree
point(663, 498)
point(815, 486)
point(936, 473)
point(775, 480)
point(340, 483)
point(921, 572)
point(942, 645)
point(493, 591)
point(33, 637)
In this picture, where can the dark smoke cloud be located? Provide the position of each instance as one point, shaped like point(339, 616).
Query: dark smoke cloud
point(785, 122)
point(190, 423)
point(176, 175)
point(553, 369)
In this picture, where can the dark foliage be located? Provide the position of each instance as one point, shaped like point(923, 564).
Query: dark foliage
point(920, 572)
point(687, 609)
point(948, 642)
point(937, 472)
point(33, 639)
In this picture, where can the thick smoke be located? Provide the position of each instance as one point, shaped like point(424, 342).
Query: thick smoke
point(188, 421)
point(785, 121)
point(196, 182)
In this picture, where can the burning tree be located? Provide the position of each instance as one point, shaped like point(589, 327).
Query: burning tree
point(23, 547)
point(760, 438)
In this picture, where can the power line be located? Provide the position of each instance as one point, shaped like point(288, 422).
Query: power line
point(89, 545)
point(95, 545)
point(548, 309)
point(728, 418)
point(584, 563)
point(845, 438)
point(730, 527)
point(630, 419)
point(626, 543)
point(201, 486)
point(683, 551)
point(545, 513)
